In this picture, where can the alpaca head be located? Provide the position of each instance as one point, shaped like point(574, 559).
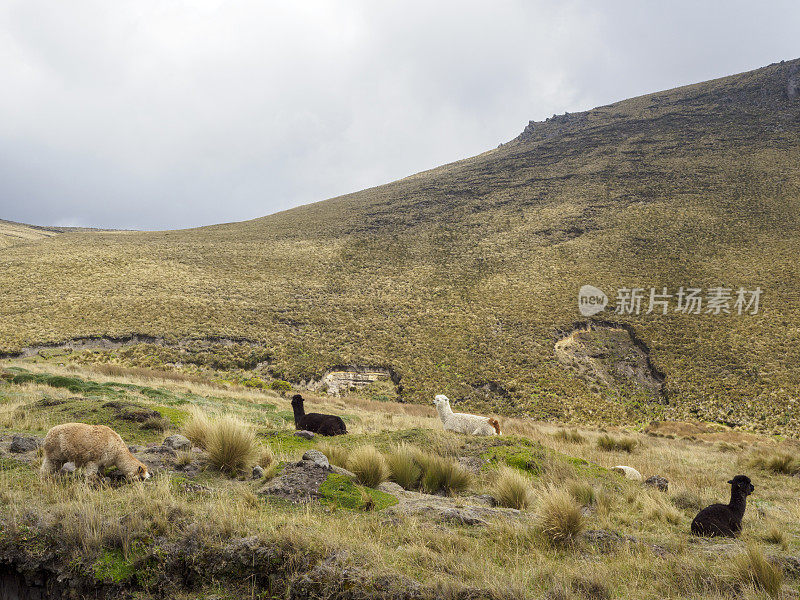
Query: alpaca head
point(138, 471)
point(441, 401)
point(741, 485)
point(297, 400)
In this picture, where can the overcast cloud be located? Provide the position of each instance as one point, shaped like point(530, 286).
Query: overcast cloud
point(157, 114)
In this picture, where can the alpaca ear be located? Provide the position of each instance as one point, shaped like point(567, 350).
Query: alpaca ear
point(731, 481)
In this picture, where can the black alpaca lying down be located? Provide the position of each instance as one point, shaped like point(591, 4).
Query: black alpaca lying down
point(316, 422)
point(725, 519)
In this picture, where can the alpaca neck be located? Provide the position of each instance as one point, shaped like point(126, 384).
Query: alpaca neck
point(444, 410)
point(299, 413)
point(738, 503)
point(128, 463)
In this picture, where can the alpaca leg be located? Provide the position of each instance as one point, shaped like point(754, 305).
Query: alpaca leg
point(90, 470)
point(48, 467)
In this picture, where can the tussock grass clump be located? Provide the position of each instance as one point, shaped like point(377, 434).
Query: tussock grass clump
point(369, 465)
point(582, 492)
point(266, 457)
point(336, 455)
point(751, 568)
point(443, 475)
point(571, 436)
point(413, 468)
point(231, 444)
point(512, 489)
point(616, 444)
point(197, 427)
point(776, 535)
point(404, 466)
point(560, 519)
point(183, 458)
point(780, 462)
point(727, 447)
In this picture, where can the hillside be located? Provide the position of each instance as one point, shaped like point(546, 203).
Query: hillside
point(462, 279)
point(13, 233)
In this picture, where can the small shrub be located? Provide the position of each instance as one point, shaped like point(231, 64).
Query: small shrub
point(612, 444)
point(560, 519)
point(443, 475)
point(404, 467)
point(569, 436)
point(231, 445)
point(369, 466)
point(255, 382)
point(336, 455)
point(279, 385)
point(582, 492)
point(512, 489)
point(197, 427)
point(752, 568)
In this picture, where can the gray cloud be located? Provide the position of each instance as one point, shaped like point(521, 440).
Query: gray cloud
point(160, 115)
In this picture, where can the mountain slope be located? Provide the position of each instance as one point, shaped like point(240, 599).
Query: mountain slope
point(13, 233)
point(463, 278)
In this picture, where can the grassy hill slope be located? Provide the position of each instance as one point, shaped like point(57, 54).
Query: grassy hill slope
point(464, 277)
point(12, 233)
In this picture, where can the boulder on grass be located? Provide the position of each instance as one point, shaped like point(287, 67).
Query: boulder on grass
point(24, 443)
point(658, 482)
point(628, 472)
point(178, 442)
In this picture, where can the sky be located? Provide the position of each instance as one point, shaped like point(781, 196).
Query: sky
point(162, 114)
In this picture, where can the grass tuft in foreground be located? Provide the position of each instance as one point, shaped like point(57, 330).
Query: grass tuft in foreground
point(560, 519)
point(369, 466)
point(232, 445)
point(616, 444)
point(512, 489)
point(751, 568)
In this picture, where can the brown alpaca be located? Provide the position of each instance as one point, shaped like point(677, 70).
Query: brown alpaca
point(92, 447)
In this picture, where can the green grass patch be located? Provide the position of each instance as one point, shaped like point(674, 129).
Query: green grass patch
point(94, 411)
point(175, 415)
point(341, 492)
point(113, 567)
point(286, 442)
point(521, 454)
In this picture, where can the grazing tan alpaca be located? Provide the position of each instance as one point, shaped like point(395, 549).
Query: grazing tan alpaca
point(92, 447)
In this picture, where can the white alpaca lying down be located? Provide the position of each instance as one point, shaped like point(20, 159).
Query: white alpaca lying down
point(462, 422)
